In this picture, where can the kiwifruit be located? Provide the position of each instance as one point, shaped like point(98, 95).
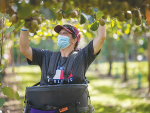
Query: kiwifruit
point(66, 15)
point(136, 13)
point(39, 19)
point(132, 2)
point(74, 14)
point(104, 16)
point(65, 6)
point(35, 2)
point(34, 24)
point(76, 3)
point(10, 11)
point(94, 3)
point(37, 28)
point(128, 15)
point(125, 6)
point(47, 3)
point(100, 4)
point(102, 22)
point(138, 21)
point(59, 15)
point(121, 16)
point(87, 10)
point(55, 2)
point(14, 18)
point(32, 30)
point(27, 24)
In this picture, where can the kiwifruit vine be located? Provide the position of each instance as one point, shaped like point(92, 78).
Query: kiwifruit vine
point(123, 10)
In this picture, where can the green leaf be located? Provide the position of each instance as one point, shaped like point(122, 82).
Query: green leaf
point(49, 13)
point(99, 14)
point(1, 15)
point(82, 19)
point(24, 10)
point(68, 10)
point(95, 9)
point(90, 18)
point(7, 16)
point(94, 26)
point(8, 30)
point(2, 101)
point(10, 93)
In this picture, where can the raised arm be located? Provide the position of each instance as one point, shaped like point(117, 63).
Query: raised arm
point(24, 45)
point(99, 39)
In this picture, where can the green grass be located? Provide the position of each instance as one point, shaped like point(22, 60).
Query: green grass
point(108, 95)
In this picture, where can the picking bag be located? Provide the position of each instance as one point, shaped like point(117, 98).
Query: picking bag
point(55, 97)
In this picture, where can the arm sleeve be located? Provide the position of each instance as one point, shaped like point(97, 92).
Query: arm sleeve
point(37, 57)
point(89, 53)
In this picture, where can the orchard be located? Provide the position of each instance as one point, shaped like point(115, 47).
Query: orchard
point(126, 21)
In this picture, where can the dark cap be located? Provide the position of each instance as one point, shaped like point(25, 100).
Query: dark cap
point(69, 28)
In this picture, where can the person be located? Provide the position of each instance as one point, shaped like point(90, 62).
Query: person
point(67, 40)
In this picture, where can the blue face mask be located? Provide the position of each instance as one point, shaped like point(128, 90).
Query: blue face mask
point(63, 41)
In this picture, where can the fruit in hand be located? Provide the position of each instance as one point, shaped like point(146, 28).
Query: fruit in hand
point(39, 19)
point(27, 24)
point(102, 22)
point(32, 30)
point(34, 24)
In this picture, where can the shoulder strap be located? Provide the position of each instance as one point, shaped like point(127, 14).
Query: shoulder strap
point(69, 64)
point(53, 64)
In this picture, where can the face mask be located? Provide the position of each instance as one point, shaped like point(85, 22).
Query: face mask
point(63, 41)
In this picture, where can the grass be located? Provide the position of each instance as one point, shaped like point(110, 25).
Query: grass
point(108, 95)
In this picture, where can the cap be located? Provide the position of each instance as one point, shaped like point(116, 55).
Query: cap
point(69, 28)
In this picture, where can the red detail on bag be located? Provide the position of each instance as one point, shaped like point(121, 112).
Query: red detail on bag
point(63, 109)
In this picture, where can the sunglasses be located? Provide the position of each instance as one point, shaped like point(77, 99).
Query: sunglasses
point(70, 28)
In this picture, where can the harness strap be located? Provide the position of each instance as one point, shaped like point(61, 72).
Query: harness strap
point(68, 67)
point(37, 84)
point(53, 66)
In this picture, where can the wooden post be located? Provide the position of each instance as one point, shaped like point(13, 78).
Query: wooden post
point(125, 58)
point(110, 55)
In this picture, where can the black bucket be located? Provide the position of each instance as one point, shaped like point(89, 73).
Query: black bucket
point(58, 95)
